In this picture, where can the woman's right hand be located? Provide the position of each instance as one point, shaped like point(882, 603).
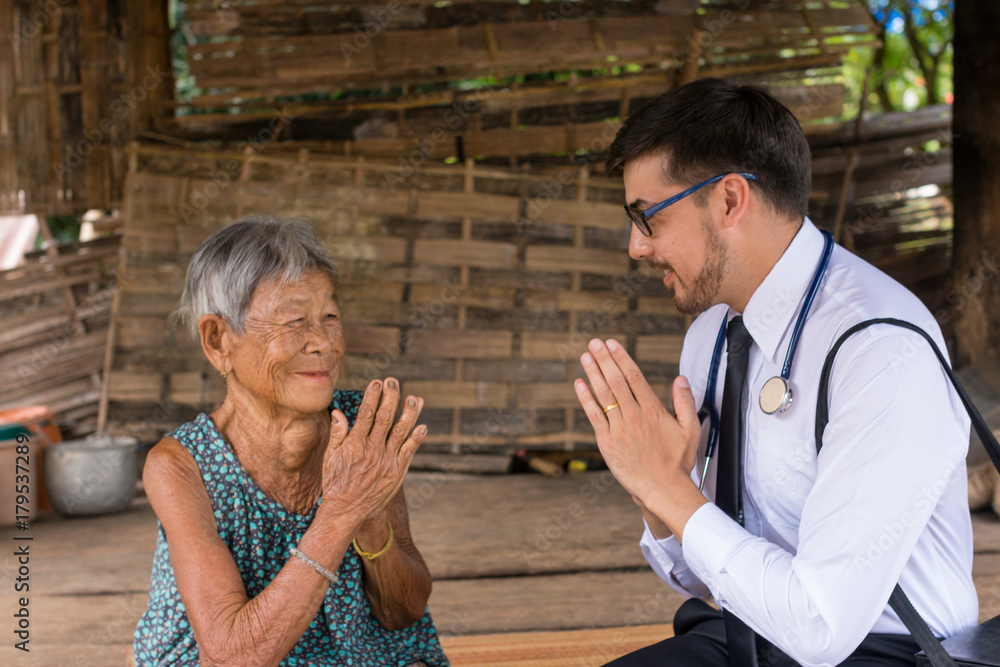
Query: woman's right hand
point(364, 468)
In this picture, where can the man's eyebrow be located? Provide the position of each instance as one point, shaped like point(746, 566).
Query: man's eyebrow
point(640, 204)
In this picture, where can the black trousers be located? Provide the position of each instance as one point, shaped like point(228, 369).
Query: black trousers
point(700, 641)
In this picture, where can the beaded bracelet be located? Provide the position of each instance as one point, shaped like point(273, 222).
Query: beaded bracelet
point(331, 576)
point(381, 552)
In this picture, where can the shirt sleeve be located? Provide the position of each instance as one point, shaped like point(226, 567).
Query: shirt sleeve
point(667, 560)
point(896, 440)
point(665, 556)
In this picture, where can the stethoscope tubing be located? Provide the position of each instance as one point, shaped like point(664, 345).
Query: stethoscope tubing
point(708, 403)
point(793, 344)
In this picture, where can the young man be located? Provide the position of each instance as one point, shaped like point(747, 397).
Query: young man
point(801, 548)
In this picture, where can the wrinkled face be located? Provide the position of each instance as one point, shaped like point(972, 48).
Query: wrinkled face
point(685, 244)
point(291, 351)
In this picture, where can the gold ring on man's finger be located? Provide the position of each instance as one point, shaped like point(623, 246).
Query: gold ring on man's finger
point(611, 407)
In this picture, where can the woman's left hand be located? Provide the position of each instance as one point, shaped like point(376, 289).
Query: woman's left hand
point(364, 468)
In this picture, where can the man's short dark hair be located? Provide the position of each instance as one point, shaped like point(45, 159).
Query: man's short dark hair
point(711, 127)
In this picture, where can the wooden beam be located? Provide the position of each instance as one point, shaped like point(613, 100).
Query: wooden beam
point(96, 102)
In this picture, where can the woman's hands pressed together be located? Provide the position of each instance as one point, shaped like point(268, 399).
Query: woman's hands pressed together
point(364, 467)
point(363, 473)
point(649, 451)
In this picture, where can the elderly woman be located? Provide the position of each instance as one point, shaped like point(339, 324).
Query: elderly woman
point(284, 537)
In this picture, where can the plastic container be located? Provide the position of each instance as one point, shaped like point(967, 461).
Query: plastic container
point(44, 431)
point(95, 475)
point(10, 513)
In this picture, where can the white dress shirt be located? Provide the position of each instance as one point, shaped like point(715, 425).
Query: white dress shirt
point(828, 537)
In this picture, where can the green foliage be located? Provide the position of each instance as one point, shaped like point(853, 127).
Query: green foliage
point(856, 63)
point(64, 228)
point(185, 86)
point(914, 66)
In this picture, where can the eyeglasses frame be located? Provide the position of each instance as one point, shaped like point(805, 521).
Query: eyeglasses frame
point(641, 218)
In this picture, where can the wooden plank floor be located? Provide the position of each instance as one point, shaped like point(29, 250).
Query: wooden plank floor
point(509, 554)
point(569, 648)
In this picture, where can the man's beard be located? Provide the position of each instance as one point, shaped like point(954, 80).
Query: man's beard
point(703, 291)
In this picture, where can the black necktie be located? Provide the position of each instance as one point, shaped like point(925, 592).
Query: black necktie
point(729, 476)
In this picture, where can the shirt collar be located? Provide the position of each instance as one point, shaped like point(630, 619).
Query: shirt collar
point(772, 309)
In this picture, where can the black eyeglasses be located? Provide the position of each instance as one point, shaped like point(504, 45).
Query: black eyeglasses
point(641, 218)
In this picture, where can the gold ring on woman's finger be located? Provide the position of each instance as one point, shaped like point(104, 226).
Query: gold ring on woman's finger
point(611, 407)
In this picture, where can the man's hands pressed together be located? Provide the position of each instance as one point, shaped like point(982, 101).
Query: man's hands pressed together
point(649, 451)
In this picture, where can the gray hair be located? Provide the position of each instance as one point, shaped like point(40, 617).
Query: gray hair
point(226, 269)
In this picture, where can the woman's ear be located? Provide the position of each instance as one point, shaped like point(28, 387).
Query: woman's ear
point(216, 341)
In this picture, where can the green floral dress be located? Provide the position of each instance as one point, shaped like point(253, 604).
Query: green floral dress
point(259, 531)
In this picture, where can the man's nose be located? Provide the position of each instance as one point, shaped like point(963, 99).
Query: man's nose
point(639, 245)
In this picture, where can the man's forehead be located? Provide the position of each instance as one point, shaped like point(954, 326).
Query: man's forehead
point(643, 179)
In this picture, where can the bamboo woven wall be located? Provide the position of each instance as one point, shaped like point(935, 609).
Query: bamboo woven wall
point(245, 54)
point(366, 81)
point(78, 79)
point(492, 280)
point(507, 125)
point(477, 286)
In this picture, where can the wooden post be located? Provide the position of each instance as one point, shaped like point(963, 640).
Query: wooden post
point(491, 40)
point(151, 61)
point(847, 185)
point(624, 101)
point(53, 107)
point(595, 33)
point(469, 186)
point(974, 296)
point(514, 108)
point(694, 53)
point(582, 181)
point(109, 348)
point(241, 185)
point(8, 152)
point(815, 31)
point(119, 287)
point(96, 101)
point(52, 251)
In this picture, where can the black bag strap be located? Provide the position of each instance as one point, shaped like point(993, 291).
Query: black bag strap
point(898, 601)
point(919, 629)
point(823, 410)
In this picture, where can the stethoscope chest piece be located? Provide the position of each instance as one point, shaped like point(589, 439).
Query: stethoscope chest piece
point(775, 395)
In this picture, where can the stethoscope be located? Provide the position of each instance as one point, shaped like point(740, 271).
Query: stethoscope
point(776, 394)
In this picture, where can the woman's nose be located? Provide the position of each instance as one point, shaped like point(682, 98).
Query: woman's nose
point(639, 245)
point(319, 340)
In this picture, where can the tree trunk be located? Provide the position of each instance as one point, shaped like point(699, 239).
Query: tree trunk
point(878, 64)
point(973, 301)
point(922, 56)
